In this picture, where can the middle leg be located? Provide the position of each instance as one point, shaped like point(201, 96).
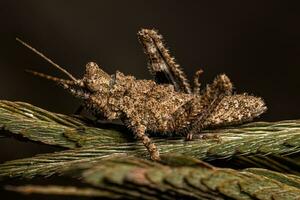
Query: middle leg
point(139, 132)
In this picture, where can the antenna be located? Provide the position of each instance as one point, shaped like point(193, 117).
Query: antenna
point(47, 59)
point(55, 79)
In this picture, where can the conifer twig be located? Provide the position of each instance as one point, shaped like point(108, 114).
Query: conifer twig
point(255, 144)
point(59, 190)
point(279, 138)
point(177, 178)
point(103, 159)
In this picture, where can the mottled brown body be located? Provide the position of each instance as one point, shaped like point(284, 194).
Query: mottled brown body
point(159, 106)
point(168, 105)
point(162, 109)
point(141, 102)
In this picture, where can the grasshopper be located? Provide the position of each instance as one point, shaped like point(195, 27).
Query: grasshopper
point(167, 104)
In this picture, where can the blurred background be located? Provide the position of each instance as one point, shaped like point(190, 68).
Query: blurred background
point(256, 43)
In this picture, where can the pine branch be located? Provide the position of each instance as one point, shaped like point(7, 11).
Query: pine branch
point(255, 144)
point(177, 178)
point(278, 138)
point(288, 179)
point(102, 159)
point(40, 125)
point(61, 190)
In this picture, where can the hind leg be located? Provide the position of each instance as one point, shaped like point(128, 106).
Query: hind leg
point(161, 64)
point(211, 98)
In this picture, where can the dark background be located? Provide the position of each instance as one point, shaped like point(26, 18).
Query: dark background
point(256, 43)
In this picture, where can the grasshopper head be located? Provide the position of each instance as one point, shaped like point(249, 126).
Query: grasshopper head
point(95, 79)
